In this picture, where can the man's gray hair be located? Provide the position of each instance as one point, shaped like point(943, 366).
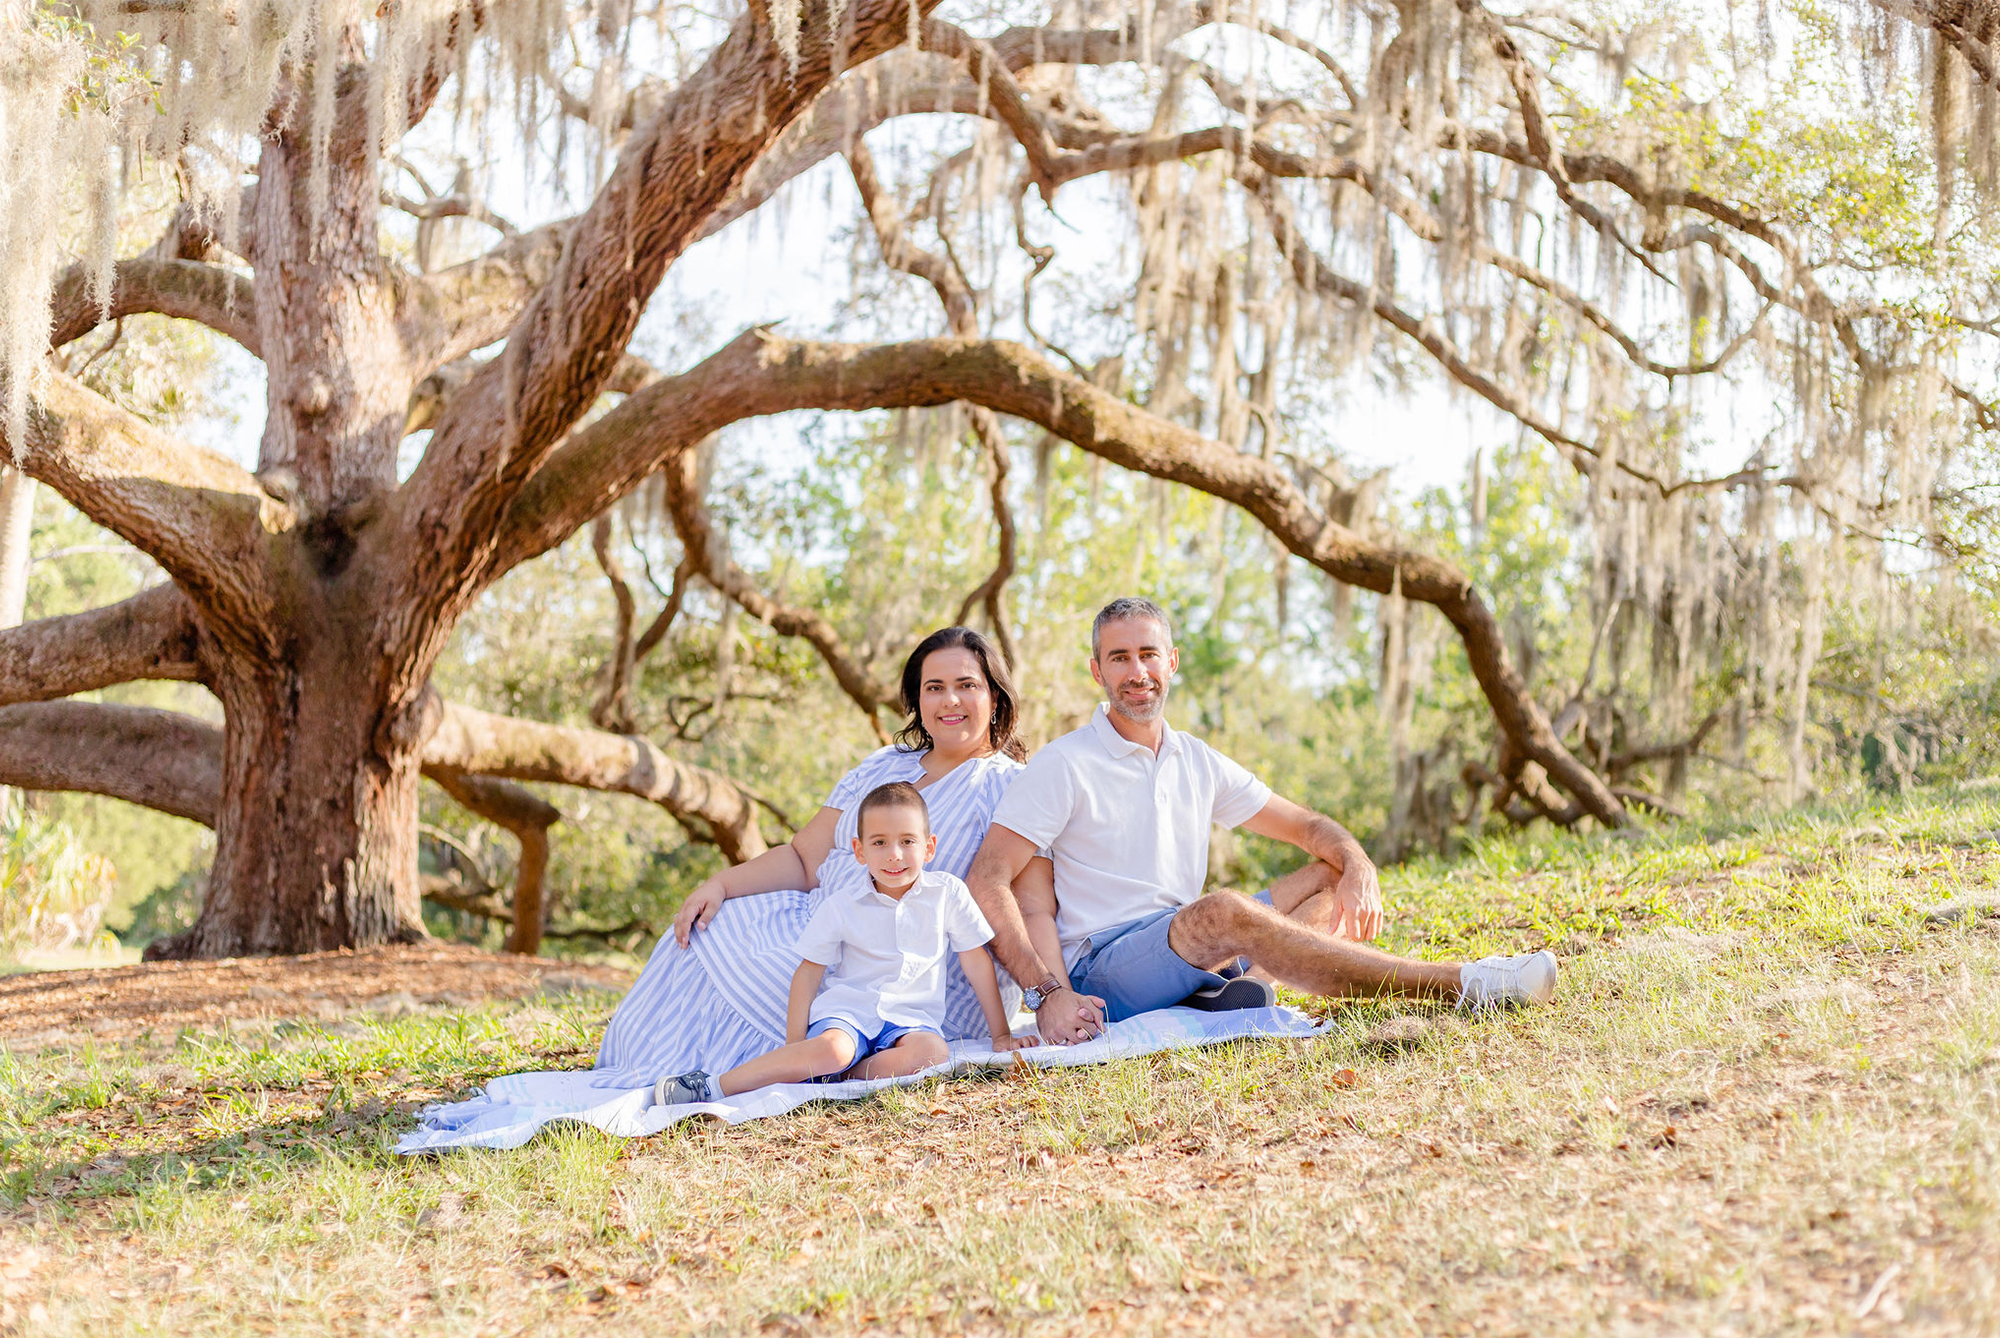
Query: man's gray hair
point(1128, 606)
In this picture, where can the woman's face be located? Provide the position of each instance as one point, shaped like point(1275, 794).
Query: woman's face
point(955, 702)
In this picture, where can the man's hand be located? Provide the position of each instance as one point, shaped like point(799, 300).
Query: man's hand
point(1069, 1018)
point(698, 910)
point(1357, 898)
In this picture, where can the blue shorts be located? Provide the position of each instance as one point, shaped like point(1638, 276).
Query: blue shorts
point(1134, 969)
point(864, 1045)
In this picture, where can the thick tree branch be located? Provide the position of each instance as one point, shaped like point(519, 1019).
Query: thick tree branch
point(160, 759)
point(446, 315)
point(202, 517)
point(670, 178)
point(194, 290)
point(151, 635)
point(1013, 380)
point(708, 804)
point(173, 762)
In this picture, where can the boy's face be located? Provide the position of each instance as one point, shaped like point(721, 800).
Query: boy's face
point(895, 843)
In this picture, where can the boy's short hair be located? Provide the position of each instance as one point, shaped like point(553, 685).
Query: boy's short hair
point(896, 794)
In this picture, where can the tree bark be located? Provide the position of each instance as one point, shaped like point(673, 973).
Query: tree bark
point(496, 745)
point(150, 635)
point(160, 759)
point(529, 818)
point(17, 517)
point(316, 830)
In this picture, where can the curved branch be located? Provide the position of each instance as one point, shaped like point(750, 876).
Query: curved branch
point(525, 814)
point(783, 374)
point(960, 312)
point(194, 290)
point(150, 635)
point(446, 315)
point(709, 804)
point(700, 542)
point(172, 762)
point(613, 710)
point(759, 373)
point(202, 517)
point(992, 591)
point(670, 178)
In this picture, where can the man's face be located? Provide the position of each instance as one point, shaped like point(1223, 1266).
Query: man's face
point(1133, 664)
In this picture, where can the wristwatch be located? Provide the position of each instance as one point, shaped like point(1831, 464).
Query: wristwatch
point(1038, 994)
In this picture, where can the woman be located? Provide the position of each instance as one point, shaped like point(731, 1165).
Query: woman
point(713, 993)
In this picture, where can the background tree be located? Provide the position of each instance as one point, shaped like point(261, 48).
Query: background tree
point(1642, 237)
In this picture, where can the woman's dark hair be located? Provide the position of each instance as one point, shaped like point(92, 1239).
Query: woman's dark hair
point(914, 738)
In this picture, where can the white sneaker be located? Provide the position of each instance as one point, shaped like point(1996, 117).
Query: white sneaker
point(1506, 982)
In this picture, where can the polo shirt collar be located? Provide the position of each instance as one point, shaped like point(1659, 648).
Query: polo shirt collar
point(1118, 745)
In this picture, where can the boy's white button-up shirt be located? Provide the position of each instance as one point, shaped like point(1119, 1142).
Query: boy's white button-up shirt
point(885, 956)
point(1128, 829)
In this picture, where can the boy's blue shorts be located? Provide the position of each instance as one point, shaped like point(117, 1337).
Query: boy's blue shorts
point(864, 1045)
point(1134, 969)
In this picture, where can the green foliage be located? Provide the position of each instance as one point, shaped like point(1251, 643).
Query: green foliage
point(53, 890)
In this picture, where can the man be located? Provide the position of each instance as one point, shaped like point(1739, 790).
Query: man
point(1125, 805)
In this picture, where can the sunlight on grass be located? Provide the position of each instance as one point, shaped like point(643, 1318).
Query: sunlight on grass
point(1768, 1079)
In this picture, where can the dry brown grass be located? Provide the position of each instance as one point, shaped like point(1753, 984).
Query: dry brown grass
point(1767, 1100)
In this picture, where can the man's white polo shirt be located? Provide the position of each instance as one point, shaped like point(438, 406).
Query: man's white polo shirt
point(1128, 829)
point(885, 957)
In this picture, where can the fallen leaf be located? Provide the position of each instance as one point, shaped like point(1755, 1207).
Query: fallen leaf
point(1345, 1078)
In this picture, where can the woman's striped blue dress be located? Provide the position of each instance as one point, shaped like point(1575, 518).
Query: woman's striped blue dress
point(721, 1000)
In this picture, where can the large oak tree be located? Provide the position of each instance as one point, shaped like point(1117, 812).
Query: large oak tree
point(1296, 192)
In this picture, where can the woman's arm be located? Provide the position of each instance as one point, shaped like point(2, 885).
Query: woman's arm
point(805, 987)
point(978, 966)
point(792, 866)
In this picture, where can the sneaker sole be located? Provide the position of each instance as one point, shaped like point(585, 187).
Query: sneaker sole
point(1232, 995)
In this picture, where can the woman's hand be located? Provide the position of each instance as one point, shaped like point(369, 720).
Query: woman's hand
point(1013, 1042)
point(698, 910)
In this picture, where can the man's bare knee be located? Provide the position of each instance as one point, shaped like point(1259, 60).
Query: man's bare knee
point(1208, 931)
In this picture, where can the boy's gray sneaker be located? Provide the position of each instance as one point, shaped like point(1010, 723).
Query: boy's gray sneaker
point(1240, 992)
point(1507, 982)
point(681, 1089)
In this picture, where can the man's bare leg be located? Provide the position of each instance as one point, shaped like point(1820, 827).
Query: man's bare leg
point(1306, 895)
point(1222, 926)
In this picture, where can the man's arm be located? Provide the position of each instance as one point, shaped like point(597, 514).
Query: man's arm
point(1035, 892)
point(1064, 1016)
point(1358, 893)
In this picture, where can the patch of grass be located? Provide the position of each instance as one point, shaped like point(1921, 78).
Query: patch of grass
point(1768, 1085)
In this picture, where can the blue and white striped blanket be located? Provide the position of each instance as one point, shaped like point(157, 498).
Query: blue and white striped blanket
point(513, 1109)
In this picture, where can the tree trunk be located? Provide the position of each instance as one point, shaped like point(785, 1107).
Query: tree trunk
point(316, 830)
point(17, 519)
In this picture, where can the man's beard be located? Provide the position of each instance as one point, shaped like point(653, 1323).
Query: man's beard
point(1140, 715)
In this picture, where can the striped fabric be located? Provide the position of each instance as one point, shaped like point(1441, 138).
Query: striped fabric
point(722, 1000)
point(514, 1109)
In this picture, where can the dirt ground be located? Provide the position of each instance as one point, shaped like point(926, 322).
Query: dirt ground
point(44, 1008)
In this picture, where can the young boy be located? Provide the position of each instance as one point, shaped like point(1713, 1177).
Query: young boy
point(868, 999)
